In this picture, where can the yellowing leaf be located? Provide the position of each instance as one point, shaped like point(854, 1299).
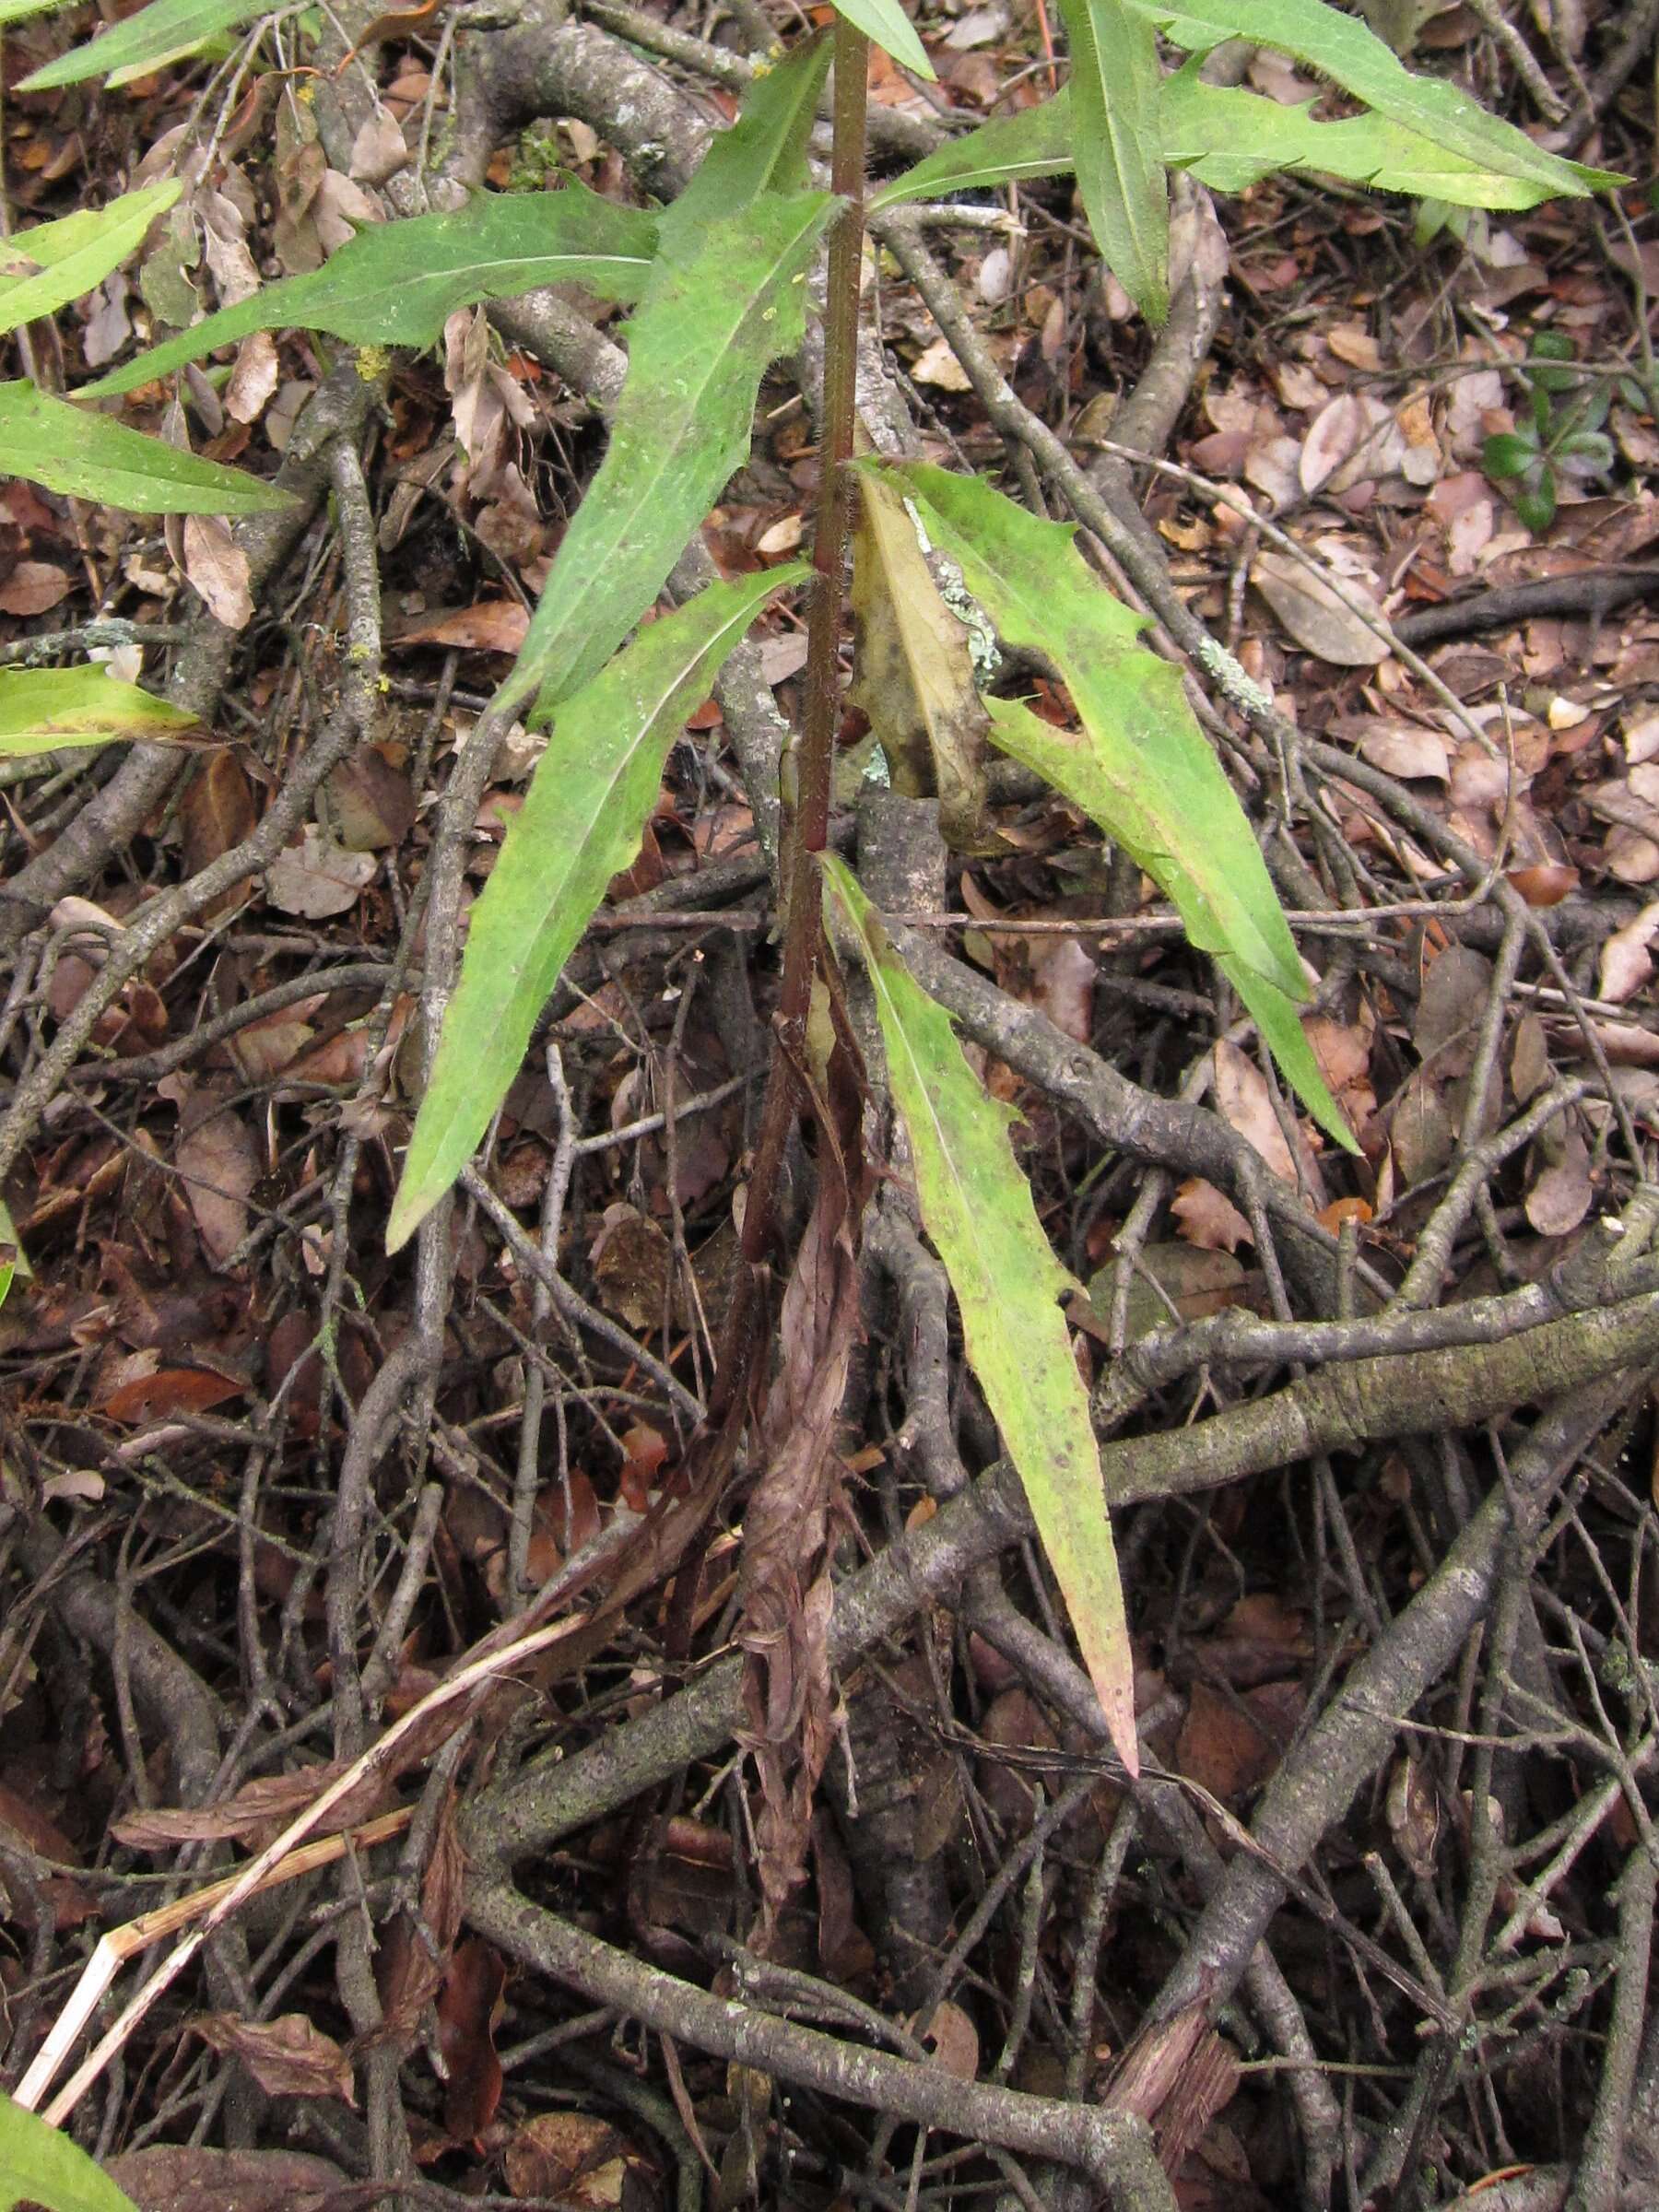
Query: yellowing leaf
point(1140, 766)
point(977, 1207)
point(915, 669)
point(43, 710)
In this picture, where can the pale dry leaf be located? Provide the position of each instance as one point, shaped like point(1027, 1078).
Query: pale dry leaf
point(378, 151)
point(108, 326)
point(492, 626)
point(217, 567)
point(1405, 748)
point(1562, 1194)
point(939, 366)
point(218, 1164)
point(1208, 1219)
point(341, 210)
point(254, 379)
point(225, 248)
point(287, 2056)
point(1314, 616)
point(1332, 438)
point(318, 877)
point(33, 588)
point(1246, 1103)
point(1625, 960)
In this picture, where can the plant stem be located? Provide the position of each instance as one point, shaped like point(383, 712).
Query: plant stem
point(807, 806)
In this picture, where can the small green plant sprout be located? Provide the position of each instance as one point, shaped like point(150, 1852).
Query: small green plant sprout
point(1561, 434)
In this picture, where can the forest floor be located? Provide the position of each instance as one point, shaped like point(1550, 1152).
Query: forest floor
point(1373, 1927)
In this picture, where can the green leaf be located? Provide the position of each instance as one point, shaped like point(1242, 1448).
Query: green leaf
point(25, 1273)
point(976, 1206)
point(1340, 45)
point(697, 346)
point(1140, 766)
point(1535, 503)
point(76, 451)
point(44, 268)
point(158, 33)
point(886, 23)
point(1116, 148)
point(1508, 454)
point(581, 821)
point(14, 11)
point(1009, 149)
point(1230, 139)
point(765, 150)
point(41, 2165)
point(398, 284)
point(46, 710)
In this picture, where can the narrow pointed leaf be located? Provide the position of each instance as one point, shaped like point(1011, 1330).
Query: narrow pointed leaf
point(45, 710)
point(1116, 150)
point(1341, 46)
point(1140, 766)
point(40, 2165)
point(44, 268)
point(155, 34)
point(398, 284)
point(1009, 149)
point(976, 1206)
point(704, 333)
point(914, 669)
point(581, 821)
point(1230, 139)
point(76, 451)
point(765, 150)
point(886, 23)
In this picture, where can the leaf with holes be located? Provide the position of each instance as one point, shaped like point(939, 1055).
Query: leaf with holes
point(977, 1208)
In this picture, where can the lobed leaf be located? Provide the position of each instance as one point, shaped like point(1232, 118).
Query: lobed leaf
point(1230, 139)
point(40, 2165)
point(77, 451)
point(1353, 57)
point(398, 284)
point(42, 269)
point(1140, 766)
point(710, 321)
point(765, 149)
point(977, 1208)
point(1116, 150)
point(46, 710)
point(580, 823)
point(886, 23)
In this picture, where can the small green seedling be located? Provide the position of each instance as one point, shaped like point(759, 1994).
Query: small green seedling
point(1562, 435)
